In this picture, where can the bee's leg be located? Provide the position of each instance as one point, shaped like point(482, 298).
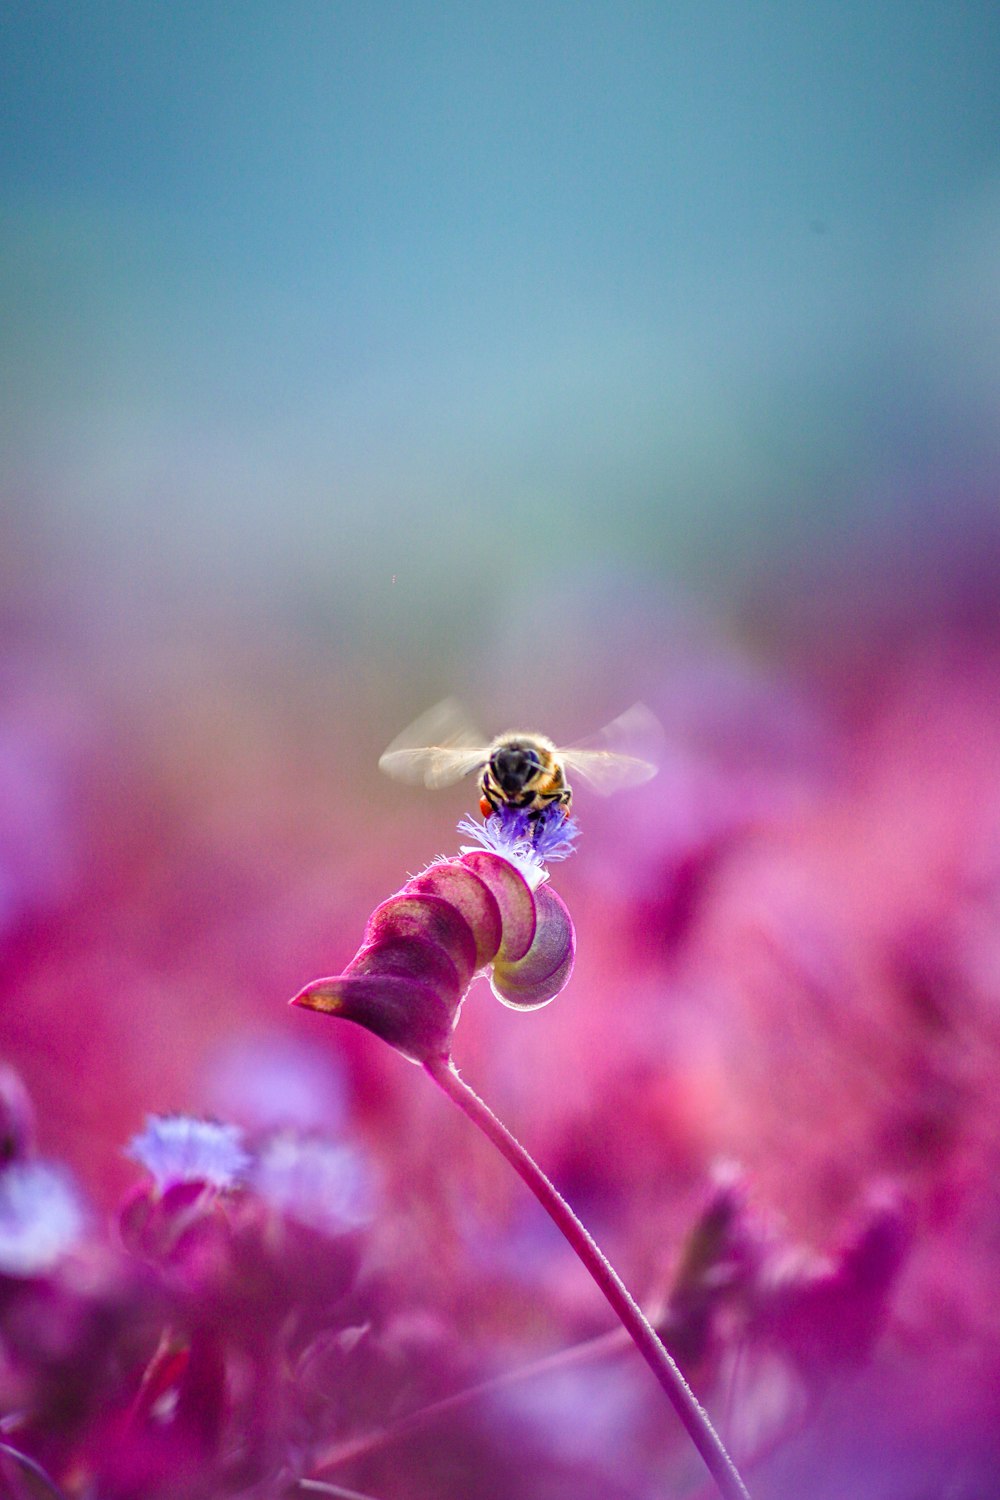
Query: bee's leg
point(487, 802)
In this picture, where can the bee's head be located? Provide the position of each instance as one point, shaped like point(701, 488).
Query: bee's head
point(513, 765)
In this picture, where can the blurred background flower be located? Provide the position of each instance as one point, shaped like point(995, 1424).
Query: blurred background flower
point(553, 357)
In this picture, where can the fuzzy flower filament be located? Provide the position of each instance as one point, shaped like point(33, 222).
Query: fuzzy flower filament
point(178, 1149)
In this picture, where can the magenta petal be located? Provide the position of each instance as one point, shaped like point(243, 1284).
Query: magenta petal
point(513, 895)
point(412, 958)
point(428, 917)
point(545, 969)
point(408, 1015)
point(471, 897)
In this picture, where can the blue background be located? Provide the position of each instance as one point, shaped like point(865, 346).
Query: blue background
point(393, 320)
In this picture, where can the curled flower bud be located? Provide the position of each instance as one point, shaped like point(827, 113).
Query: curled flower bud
point(539, 975)
point(514, 898)
point(471, 897)
point(485, 911)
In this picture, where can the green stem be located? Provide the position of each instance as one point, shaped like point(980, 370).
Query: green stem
point(640, 1330)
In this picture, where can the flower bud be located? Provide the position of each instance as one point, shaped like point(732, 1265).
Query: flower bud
point(406, 1014)
point(178, 1149)
point(458, 884)
point(423, 947)
point(431, 920)
point(513, 896)
point(537, 977)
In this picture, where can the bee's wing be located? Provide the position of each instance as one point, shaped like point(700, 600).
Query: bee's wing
point(623, 754)
point(438, 748)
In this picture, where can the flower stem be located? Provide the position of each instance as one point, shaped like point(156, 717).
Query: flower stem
point(31, 1466)
point(641, 1331)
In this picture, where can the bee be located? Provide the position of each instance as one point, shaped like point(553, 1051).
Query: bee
point(522, 769)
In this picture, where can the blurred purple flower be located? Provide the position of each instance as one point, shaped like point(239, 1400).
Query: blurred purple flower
point(270, 1082)
point(42, 1217)
point(314, 1181)
point(717, 1260)
point(826, 1313)
point(177, 1148)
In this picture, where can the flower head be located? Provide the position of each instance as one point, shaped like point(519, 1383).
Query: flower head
point(314, 1181)
point(177, 1148)
point(486, 911)
point(528, 840)
point(41, 1218)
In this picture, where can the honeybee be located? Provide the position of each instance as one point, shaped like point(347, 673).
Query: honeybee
point(522, 769)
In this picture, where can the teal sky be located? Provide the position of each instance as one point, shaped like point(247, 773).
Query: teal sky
point(302, 297)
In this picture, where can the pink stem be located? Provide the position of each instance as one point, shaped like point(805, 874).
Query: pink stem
point(640, 1330)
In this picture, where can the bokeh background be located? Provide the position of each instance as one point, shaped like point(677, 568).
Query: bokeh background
point(554, 356)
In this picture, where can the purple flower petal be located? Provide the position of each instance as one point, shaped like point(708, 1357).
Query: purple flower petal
point(527, 840)
point(177, 1148)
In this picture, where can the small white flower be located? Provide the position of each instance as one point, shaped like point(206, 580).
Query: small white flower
point(314, 1181)
point(41, 1217)
point(177, 1148)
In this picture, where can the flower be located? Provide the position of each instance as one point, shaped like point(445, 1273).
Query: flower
point(826, 1313)
point(177, 1148)
point(528, 840)
point(41, 1218)
point(314, 1181)
point(268, 1082)
point(485, 912)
